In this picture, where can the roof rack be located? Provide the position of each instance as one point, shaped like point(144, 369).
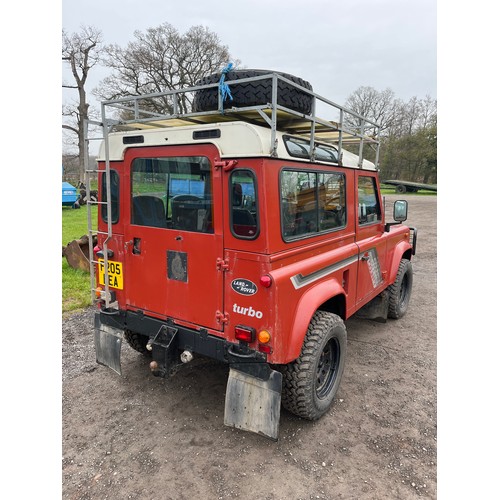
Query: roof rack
point(129, 115)
point(134, 112)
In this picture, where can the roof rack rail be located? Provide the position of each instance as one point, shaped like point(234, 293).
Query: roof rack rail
point(173, 108)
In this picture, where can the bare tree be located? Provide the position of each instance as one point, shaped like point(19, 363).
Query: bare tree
point(428, 112)
point(408, 132)
point(159, 60)
point(378, 106)
point(81, 51)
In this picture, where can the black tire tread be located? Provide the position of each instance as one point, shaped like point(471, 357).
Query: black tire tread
point(253, 93)
point(395, 311)
point(296, 395)
point(137, 342)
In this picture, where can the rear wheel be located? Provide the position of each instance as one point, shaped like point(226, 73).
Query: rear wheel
point(400, 290)
point(137, 342)
point(253, 93)
point(311, 381)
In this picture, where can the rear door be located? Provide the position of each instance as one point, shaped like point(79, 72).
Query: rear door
point(174, 235)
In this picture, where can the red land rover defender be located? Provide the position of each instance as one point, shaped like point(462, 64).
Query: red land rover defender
point(242, 230)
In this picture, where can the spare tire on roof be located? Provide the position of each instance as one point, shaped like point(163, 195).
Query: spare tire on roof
point(253, 93)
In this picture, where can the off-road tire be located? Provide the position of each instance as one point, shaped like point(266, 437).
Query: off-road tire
point(311, 381)
point(400, 290)
point(253, 93)
point(137, 342)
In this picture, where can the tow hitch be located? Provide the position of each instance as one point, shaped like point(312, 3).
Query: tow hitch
point(253, 395)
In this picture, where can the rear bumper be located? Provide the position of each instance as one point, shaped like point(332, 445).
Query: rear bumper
point(168, 339)
point(253, 393)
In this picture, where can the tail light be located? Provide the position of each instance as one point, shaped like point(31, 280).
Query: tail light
point(100, 294)
point(264, 337)
point(244, 333)
point(265, 348)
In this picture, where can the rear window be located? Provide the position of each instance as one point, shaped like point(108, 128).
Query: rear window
point(174, 192)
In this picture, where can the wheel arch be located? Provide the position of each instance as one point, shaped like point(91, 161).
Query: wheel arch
point(326, 296)
point(401, 251)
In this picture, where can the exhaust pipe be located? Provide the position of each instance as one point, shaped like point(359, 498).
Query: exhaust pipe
point(186, 356)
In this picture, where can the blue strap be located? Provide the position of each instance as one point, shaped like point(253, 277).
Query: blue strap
point(224, 87)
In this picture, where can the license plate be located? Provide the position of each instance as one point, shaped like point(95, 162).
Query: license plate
point(115, 274)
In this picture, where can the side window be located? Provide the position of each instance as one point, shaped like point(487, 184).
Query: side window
point(115, 196)
point(244, 216)
point(332, 209)
point(172, 192)
point(311, 202)
point(368, 203)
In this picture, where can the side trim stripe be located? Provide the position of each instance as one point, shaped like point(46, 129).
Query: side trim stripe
point(299, 280)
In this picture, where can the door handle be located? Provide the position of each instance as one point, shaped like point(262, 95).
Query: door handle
point(136, 246)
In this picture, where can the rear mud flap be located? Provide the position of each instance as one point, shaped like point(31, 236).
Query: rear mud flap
point(108, 345)
point(253, 404)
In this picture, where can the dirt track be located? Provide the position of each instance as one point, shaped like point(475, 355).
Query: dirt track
point(141, 437)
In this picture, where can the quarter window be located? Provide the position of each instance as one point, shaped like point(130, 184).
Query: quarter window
point(311, 202)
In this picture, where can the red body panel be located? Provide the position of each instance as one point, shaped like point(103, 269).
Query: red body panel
point(349, 265)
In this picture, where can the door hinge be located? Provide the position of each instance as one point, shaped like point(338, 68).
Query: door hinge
point(226, 165)
point(222, 264)
point(221, 317)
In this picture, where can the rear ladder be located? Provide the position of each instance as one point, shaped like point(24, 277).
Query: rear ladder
point(105, 125)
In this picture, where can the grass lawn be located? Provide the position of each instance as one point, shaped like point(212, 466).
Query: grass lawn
point(75, 283)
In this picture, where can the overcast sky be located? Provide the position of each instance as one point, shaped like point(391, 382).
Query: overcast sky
point(336, 46)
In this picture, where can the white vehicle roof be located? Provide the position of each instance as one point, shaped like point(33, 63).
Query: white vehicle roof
point(238, 139)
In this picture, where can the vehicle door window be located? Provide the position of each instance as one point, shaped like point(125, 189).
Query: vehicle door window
point(244, 216)
point(172, 193)
point(368, 202)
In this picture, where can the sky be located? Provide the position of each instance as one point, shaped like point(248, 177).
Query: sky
point(336, 46)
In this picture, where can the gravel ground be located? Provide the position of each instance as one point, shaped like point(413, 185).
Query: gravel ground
point(141, 437)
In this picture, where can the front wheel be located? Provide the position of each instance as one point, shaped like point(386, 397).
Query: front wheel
point(400, 290)
point(311, 381)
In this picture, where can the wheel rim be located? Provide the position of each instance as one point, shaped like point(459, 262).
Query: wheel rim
point(327, 368)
